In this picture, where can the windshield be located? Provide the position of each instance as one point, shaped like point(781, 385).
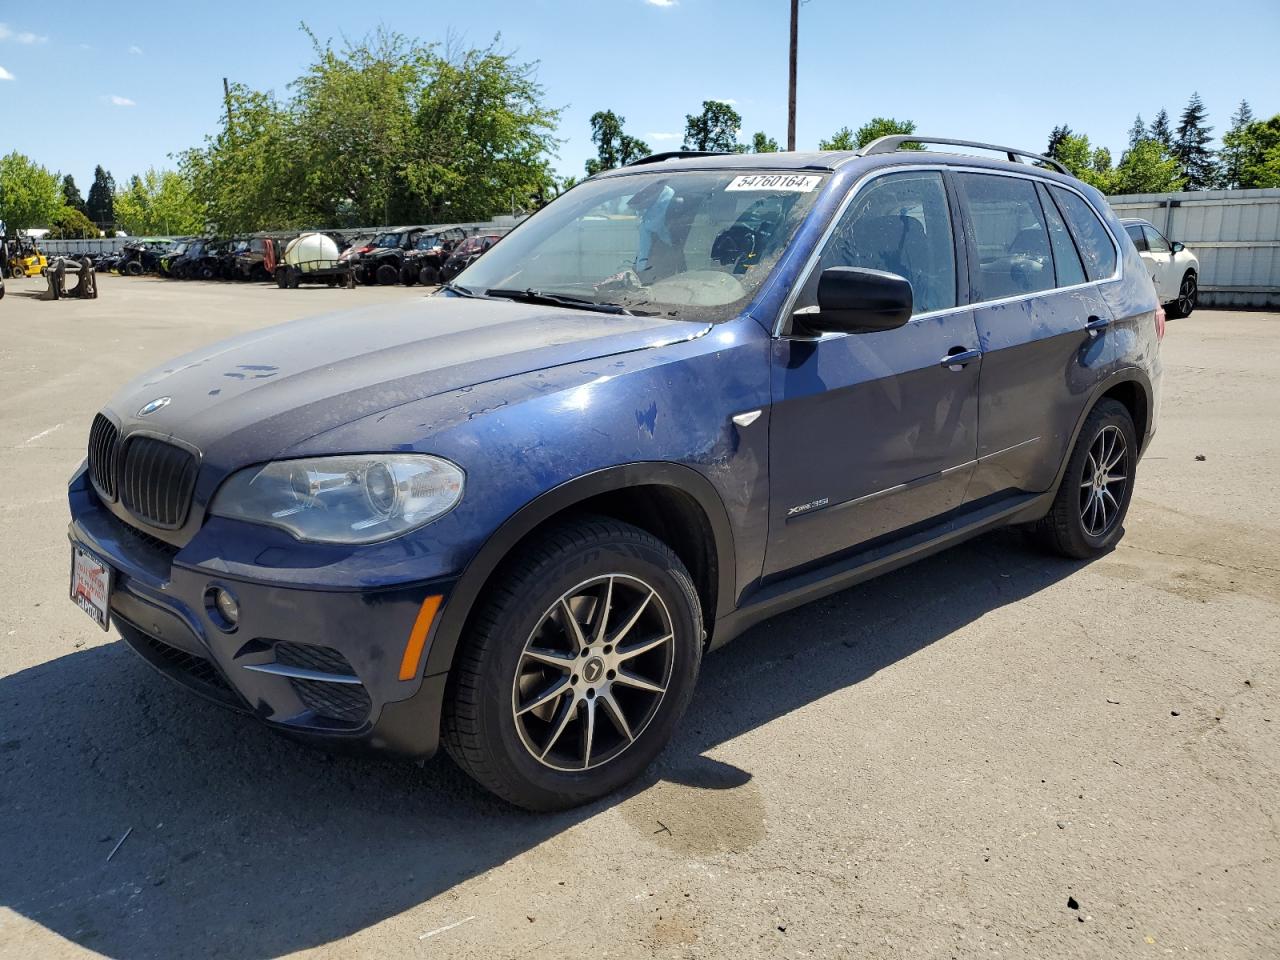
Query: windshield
point(388, 240)
point(695, 244)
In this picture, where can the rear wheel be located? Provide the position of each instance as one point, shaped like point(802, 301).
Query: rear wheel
point(577, 666)
point(408, 275)
point(428, 276)
point(1088, 513)
point(1188, 292)
point(133, 268)
point(387, 274)
point(282, 278)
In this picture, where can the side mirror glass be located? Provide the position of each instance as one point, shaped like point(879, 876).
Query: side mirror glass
point(1177, 247)
point(859, 300)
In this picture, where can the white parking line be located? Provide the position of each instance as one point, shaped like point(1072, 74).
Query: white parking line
point(42, 433)
point(432, 933)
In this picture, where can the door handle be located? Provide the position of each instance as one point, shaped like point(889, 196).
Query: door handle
point(1096, 324)
point(958, 357)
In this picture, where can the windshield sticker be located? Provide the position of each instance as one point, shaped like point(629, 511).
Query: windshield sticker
point(775, 182)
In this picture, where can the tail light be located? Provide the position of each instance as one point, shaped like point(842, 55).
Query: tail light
point(1160, 318)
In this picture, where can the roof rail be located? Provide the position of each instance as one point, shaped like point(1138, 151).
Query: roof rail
point(678, 155)
point(893, 143)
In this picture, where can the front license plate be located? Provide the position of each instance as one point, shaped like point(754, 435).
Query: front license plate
point(91, 585)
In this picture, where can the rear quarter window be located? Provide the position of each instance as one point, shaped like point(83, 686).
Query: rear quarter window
point(1092, 239)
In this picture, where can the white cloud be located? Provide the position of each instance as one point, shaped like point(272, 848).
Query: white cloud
point(24, 36)
point(135, 50)
point(5, 74)
point(663, 136)
point(661, 3)
point(729, 100)
point(116, 101)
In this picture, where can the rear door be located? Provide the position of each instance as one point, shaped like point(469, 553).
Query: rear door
point(1042, 325)
point(871, 433)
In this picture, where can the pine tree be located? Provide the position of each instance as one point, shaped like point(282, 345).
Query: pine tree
point(1160, 131)
point(1191, 147)
point(101, 205)
point(1056, 138)
point(1138, 132)
point(1233, 152)
point(71, 194)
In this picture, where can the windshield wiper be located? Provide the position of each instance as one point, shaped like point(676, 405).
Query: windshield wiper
point(460, 291)
point(557, 300)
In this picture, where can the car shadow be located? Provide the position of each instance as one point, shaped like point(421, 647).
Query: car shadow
point(246, 844)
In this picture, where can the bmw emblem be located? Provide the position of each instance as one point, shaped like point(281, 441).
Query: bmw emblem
point(154, 405)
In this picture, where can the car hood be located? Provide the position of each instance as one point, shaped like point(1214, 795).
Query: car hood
point(246, 399)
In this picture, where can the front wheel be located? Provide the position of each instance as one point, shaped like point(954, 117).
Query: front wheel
point(1188, 292)
point(577, 666)
point(1087, 516)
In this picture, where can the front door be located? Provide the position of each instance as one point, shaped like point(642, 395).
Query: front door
point(875, 432)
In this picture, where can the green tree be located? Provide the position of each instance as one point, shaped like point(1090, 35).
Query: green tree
point(1147, 168)
point(715, 128)
point(71, 194)
point(878, 127)
point(762, 143)
point(1160, 130)
point(100, 206)
point(614, 148)
point(1259, 145)
point(1085, 163)
point(842, 139)
point(1057, 137)
point(30, 195)
point(1138, 132)
point(72, 224)
point(1191, 147)
point(159, 202)
point(1233, 146)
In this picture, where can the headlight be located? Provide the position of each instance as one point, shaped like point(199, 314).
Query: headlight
point(355, 499)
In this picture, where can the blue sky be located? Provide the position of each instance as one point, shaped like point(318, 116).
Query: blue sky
point(149, 85)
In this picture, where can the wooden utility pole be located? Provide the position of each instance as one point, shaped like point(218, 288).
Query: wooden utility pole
point(226, 96)
point(791, 93)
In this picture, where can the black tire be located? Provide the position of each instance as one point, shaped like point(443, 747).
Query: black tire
point(1075, 527)
point(282, 278)
point(482, 731)
point(133, 268)
point(428, 276)
point(387, 274)
point(1188, 293)
point(408, 275)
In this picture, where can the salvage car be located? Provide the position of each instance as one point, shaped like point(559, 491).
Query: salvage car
point(686, 395)
point(1174, 269)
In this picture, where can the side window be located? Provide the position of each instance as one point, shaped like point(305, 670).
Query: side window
point(900, 223)
point(1009, 234)
point(1134, 230)
point(1092, 239)
point(1066, 259)
point(1156, 242)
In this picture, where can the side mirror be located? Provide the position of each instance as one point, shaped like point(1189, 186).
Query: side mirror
point(1177, 247)
point(859, 300)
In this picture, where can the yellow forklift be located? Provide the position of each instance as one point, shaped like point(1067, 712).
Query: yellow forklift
point(25, 259)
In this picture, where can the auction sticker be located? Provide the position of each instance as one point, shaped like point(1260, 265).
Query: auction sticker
point(775, 182)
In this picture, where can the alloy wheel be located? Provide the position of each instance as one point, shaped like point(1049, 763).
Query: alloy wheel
point(1102, 484)
point(1187, 296)
point(593, 672)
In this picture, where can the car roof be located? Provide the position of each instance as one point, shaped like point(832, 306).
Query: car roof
point(1128, 220)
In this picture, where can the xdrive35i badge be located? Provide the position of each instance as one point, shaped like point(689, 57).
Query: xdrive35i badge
point(154, 405)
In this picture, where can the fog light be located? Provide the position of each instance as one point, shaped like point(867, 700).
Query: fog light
point(223, 607)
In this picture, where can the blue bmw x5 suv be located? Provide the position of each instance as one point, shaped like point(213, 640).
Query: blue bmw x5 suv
point(688, 394)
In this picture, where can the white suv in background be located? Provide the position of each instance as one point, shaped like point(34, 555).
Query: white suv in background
point(1173, 267)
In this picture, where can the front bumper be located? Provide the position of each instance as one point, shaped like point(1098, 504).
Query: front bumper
point(318, 664)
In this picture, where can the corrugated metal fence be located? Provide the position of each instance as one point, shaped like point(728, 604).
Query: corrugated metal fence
point(1234, 233)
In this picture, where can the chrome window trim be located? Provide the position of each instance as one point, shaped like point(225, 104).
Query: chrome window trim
point(788, 306)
